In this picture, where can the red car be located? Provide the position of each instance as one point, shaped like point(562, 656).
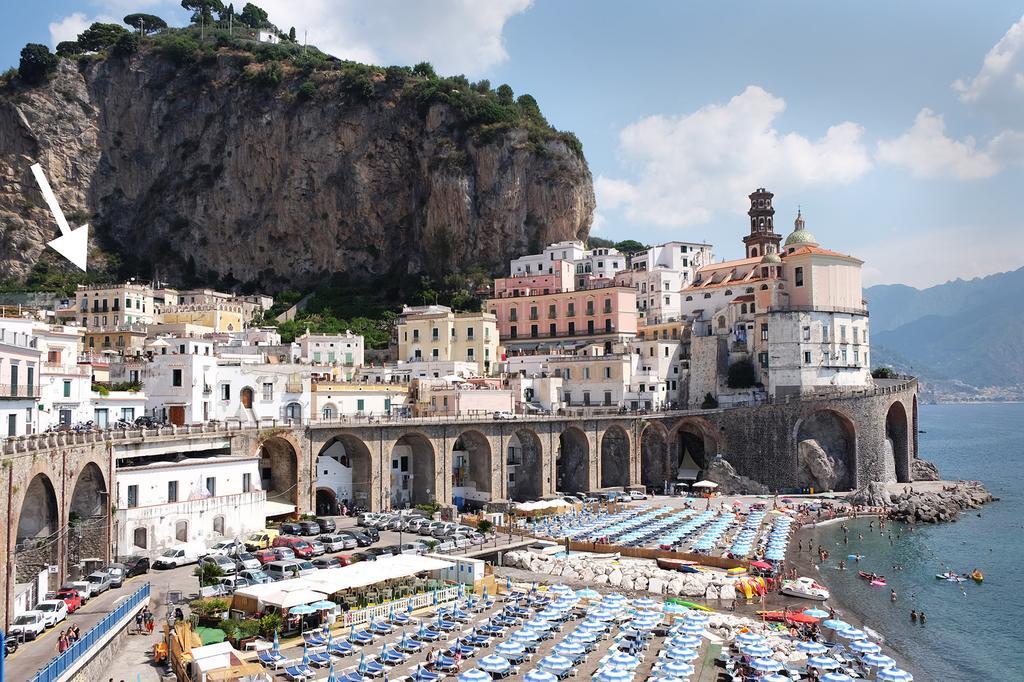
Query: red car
point(71, 598)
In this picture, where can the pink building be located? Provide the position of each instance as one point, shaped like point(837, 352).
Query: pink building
point(604, 311)
point(560, 277)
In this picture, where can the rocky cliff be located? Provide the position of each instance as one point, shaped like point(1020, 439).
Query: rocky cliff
point(209, 172)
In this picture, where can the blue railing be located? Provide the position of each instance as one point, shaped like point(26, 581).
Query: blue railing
point(63, 662)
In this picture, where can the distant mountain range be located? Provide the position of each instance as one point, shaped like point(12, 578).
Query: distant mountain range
point(962, 338)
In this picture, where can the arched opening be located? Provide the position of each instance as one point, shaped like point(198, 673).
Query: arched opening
point(38, 534)
point(343, 467)
point(218, 525)
point(897, 444)
point(87, 518)
point(327, 502)
point(328, 412)
point(413, 476)
point(471, 470)
point(181, 531)
point(826, 451)
point(572, 463)
point(695, 445)
point(525, 466)
point(293, 412)
point(279, 471)
point(140, 538)
point(615, 458)
point(246, 397)
point(654, 466)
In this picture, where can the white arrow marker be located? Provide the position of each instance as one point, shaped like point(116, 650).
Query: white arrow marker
point(72, 244)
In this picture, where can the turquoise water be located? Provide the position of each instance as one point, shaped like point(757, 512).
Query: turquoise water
point(970, 634)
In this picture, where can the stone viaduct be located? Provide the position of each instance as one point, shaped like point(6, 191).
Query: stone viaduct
point(56, 487)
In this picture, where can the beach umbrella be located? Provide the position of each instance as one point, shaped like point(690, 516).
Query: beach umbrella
point(816, 613)
point(362, 662)
point(323, 605)
point(749, 637)
point(610, 674)
point(690, 628)
point(697, 617)
point(893, 675)
point(836, 677)
point(822, 662)
point(756, 650)
point(836, 624)
point(510, 649)
point(554, 663)
point(878, 661)
point(673, 608)
point(508, 583)
point(277, 644)
point(588, 593)
point(331, 677)
point(679, 653)
point(622, 660)
point(775, 677)
point(675, 668)
point(690, 641)
point(573, 650)
point(852, 634)
point(494, 664)
point(540, 676)
point(811, 648)
point(645, 603)
point(302, 610)
point(474, 675)
point(305, 656)
point(767, 665)
point(863, 646)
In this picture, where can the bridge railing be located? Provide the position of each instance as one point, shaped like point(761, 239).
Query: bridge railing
point(62, 663)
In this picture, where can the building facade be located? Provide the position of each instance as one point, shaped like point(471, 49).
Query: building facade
point(435, 333)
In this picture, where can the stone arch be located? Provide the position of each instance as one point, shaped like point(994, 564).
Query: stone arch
point(615, 449)
point(344, 465)
point(279, 469)
point(87, 516)
point(245, 397)
point(525, 464)
point(326, 502)
point(39, 529)
point(413, 471)
point(572, 463)
point(693, 444)
point(472, 468)
point(654, 460)
point(897, 437)
point(826, 450)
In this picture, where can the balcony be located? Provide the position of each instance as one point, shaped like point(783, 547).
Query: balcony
point(18, 391)
point(293, 387)
point(60, 369)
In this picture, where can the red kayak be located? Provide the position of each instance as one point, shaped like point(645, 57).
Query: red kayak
point(789, 617)
point(872, 578)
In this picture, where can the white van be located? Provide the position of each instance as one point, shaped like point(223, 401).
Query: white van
point(179, 555)
point(285, 569)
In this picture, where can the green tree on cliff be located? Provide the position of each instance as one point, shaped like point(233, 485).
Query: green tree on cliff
point(505, 93)
point(145, 23)
point(253, 16)
point(36, 63)
point(203, 9)
point(100, 36)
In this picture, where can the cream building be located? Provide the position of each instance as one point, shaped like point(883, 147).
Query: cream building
point(335, 399)
point(331, 349)
point(435, 333)
point(107, 307)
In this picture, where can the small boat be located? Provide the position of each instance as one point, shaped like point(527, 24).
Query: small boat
point(681, 565)
point(691, 605)
point(873, 578)
point(977, 576)
point(951, 577)
point(804, 588)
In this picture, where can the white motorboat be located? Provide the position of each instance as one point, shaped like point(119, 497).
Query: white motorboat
point(804, 588)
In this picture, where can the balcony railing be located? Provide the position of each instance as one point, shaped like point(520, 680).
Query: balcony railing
point(293, 387)
point(18, 391)
point(817, 309)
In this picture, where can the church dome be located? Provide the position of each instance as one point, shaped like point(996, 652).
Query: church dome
point(800, 238)
point(771, 259)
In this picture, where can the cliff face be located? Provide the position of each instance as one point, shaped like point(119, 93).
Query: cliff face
point(203, 172)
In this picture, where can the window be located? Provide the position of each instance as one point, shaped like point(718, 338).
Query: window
point(469, 333)
point(856, 335)
point(268, 390)
point(533, 312)
point(435, 333)
point(572, 328)
point(67, 388)
point(133, 496)
point(533, 331)
point(218, 525)
point(798, 276)
point(607, 397)
point(568, 373)
point(807, 333)
point(513, 314)
point(764, 332)
point(415, 334)
point(469, 353)
point(172, 491)
point(225, 391)
point(211, 484)
point(607, 372)
point(551, 312)
point(552, 329)
point(176, 377)
point(435, 354)
point(856, 356)
point(590, 326)
point(181, 531)
point(572, 309)
point(842, 333)
point(807, 357)
point(590, 307)
point(513, 332)
point(607, 305)
point(360, 405)
point(139, 538)
point(762, 359)
point(843, 352)
point(586, 397)
point(586, 372)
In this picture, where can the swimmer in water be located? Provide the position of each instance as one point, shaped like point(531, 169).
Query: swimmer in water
point(913, 615)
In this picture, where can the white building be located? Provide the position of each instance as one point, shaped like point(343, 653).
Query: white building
point(543, 263)
point(20, 362)
point(331, 349)
point(112, 406)
point(659, 275)
point(332, 400)
point(195, 501)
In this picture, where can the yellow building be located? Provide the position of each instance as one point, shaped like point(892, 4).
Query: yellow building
point(435, 333)
point(220, 317)
point(335, 399)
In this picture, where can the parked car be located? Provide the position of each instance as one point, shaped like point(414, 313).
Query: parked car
point(428, 528)
point(172, 557)
point(245, 560)
point(261, 539)
point(309, 528)
point(224, 563)
point(394, 550)
point(366, 518)
point(364, 556)
point(82, 587)
point(274, 554)
point(70, 597)
point(445, 528)
point(359, 537)
point(372, 533)
point(416, 547)
point(328, 562)
point(290, 528)
point(100, 581)
point(347, 559)
point(317, 547)
point(503, 415)
point(338, 542)
point(118, 573)
point(375, 552)
point(28, 625)
point(326, 525)
point(301, 548)
point(135, 565)
point(53, 610)
point(637, 495)
point(282, 570)
point(225, 548)
point(477, 538)
point(415, 523)
point(255, 576)
point(234, 582)
point(305, 567)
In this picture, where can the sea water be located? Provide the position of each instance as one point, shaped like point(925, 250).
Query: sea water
point(973, 633)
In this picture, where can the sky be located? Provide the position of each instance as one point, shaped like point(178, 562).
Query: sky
point(896, 127)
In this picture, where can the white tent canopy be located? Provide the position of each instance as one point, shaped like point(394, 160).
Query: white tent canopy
point(705, 484)
point(542, 504)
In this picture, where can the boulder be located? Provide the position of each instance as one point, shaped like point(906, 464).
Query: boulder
point(656, 585)
point(601, 579)
point(729, 482)
point(615, 578)
point(640, 583)
point(711, 592)
point(675, 586)
point(816, 468)
point(923, 470)
point(874, 494)
point(727, 592)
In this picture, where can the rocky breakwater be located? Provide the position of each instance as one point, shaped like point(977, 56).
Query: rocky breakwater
point(626, 574)
point(938, 505)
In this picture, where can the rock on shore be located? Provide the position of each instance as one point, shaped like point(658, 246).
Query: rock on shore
point(938, 506)
point(923, 470)
point(626, 574)
point(729, 482)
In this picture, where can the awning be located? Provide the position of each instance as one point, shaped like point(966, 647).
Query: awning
point(363, 574)
point(272, 508)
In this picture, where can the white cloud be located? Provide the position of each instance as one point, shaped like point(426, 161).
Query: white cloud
point(689, 167)
point(69, 27)
point(998, 87)
point(928, 152)
point(456, 36)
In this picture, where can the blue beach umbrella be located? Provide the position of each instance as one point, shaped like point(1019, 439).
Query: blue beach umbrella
point(681, 653)
point(305, 656)
point(588, 593)
point(362, 662)
point(822, 662)
point(675, 668)
point(540, 676)
point(610, 674)
point(836, 677)
point(852, 634)
point(573, 650)
point(494, 664)
point(749, 638)
point(331, 677)
point(302, 610)
point(811, 648)
point(690, 628)
point(510, 649)
point(277, 644)
point(863, 646)
point(474, 675)
point(893, 675)
point(622, 660)
point(756, 650)
point(816, 613)
point(878, 661)
point(766, 665)
point(554, 663)
point(835, 624)
point(689, 641)
point(673, 608)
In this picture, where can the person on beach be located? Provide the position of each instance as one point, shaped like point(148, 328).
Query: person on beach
point(913, 615)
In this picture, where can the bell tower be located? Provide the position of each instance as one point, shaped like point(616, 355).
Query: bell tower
point(762, 239)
